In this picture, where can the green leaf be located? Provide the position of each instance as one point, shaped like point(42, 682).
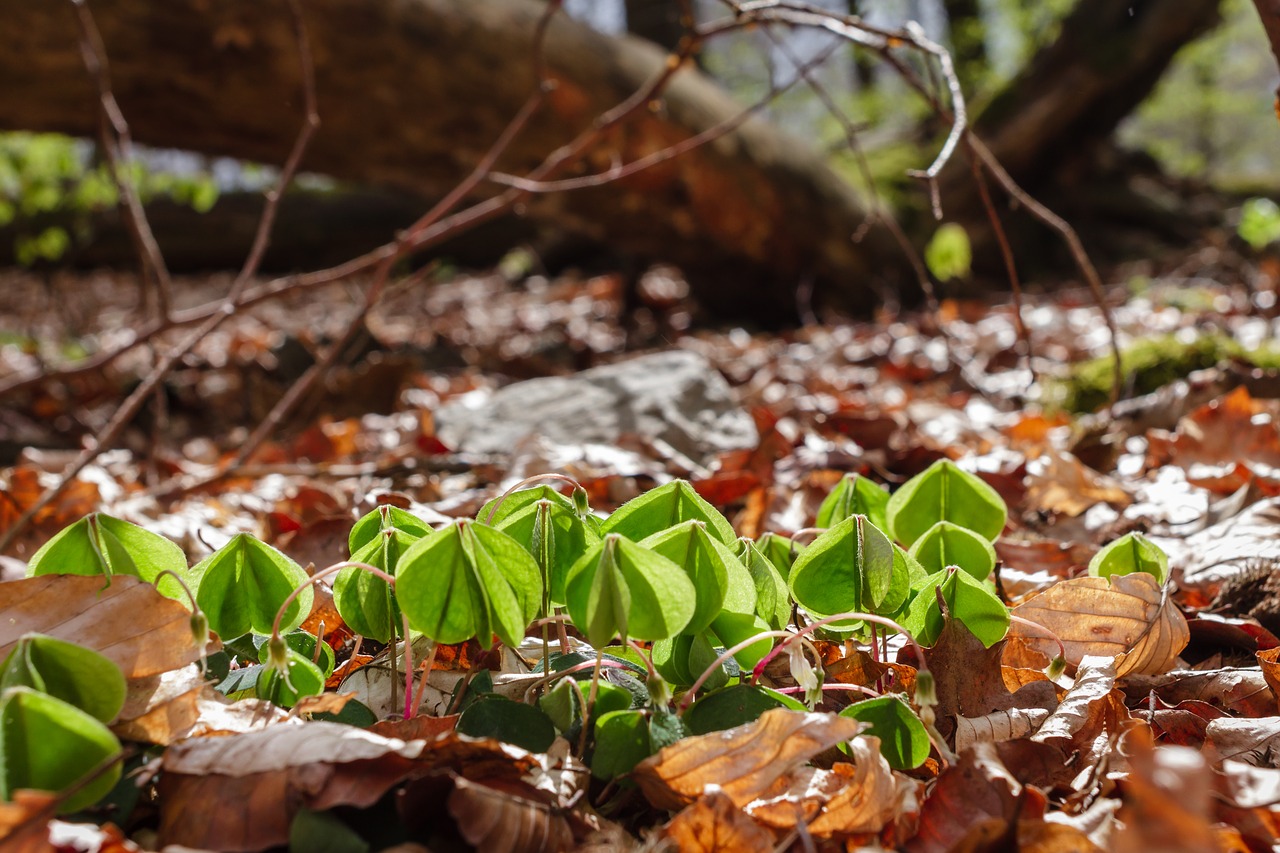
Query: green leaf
point(622, 742)
point(851, 567)
point(99, 544)
point(854, 495)
point(243, 584)
point(569, 539)
point(323, 832)
point(469, 580)
point(1131, 553)
point(386, 518)
point(968, 600)
point(948, 254)
point(773, 603)
point(1259, 223)
point(947, 544)
point(365, 601)
point(49, 745)
point(733, 628)
point(517, 502)
point(671, 659)
point(623, 589)
point(667, 506)
point(305, 679)
point(702, 654)
point(945, 492)
point(78, 676)
point(904, 743)
point(706, 562)
point(510, 722)
point(780, 551)
point(665, 728)
point(734, 706)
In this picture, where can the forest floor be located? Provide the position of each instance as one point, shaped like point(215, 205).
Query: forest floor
point(1191, 460)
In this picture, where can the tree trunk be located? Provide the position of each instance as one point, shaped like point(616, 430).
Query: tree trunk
point(411, 92)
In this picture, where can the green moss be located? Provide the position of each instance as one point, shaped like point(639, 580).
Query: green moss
point(1150, 364)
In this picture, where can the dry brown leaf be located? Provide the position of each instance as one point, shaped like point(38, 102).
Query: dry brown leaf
point(260, 779)
point(1253, 741)
point(713, 824)
point(161, 708)
point(1239, 690)
point(1083, 708)
point(324, 703)
point(504, 822)
point(1129, 615)
point(1167, 804)
point(421, 727)
point(122, 618)
point(998, 726)
point(1068, 487)
point(25, 820)
point(1247, 787)
point(744, 762)
point(1269, 662)
point(855, 798)
point(977, 787)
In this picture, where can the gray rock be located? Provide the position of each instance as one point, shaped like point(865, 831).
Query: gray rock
point(677, 397)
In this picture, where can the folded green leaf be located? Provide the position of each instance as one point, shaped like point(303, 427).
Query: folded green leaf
point(620, 588)
point(947, 544)
point(851, 567)
point(854, 495)
point(904, 743)
point(74, 674)
point(382, 519)
point(1131, 553)
point(100, 544)
point(570, 537)
point(664, 507)
point(967, 599)
point(945, 492)
point(243, 584)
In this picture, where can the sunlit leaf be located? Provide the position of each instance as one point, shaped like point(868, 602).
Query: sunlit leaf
point(903, 740)
point(382, 519)
point(619, 588)
point(305, 679)
point(366, 602)
point(1131, 553)
point(99, 544)
point(773, 602)
point(664, 507)
point(569, 538)
point(945, 492)
point(49, 745)
point(854, 495)
point(851, 567)
point(78, 676)
point(780, 551)
point(967, 599)
point(947, 544)
point(707, 563)
point(243, 584)
point(469, 580)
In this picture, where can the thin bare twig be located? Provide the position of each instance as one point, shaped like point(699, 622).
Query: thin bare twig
point(117, 146)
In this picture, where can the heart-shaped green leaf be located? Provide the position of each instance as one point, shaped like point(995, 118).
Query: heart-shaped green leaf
point(1131, 553)
point(968, 600)
point(49, 745)
point(469, 580)
point(852, 566)
point(74, 674)
point(619, 588)
point(904, 743)
point(708, 564)
point(945, 492)
point(365, 601)
point(733, 628)
point(382, 519)
point(99, 544)
point(243, 584)
point(734, 706)
point(511, 722)
point(622, 742)
point(555, 536)
point(854, 495)
point(773, 603)
point(780, 551)
point(518, 501)
point(664, 507)
point(304, 643)
point(947, 544)
point(671, 659)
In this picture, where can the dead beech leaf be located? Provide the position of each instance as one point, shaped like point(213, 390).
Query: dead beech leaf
point(1239, 690)
point(998, 726)
point(122, 618)
point(1129, 615)
point(504, 822)
point(1247, 787)
point(1068, 487)
point(161, 708)
point(744, 762)
point(1167, 803)
point(1090, 715)
point(24, 822)
point(261, 778)
point(1269, 662)
point(855, 798)
point(324, 703)
point(977, 787)
point(421, 727)
point(1253, 741)
point(713, 824)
